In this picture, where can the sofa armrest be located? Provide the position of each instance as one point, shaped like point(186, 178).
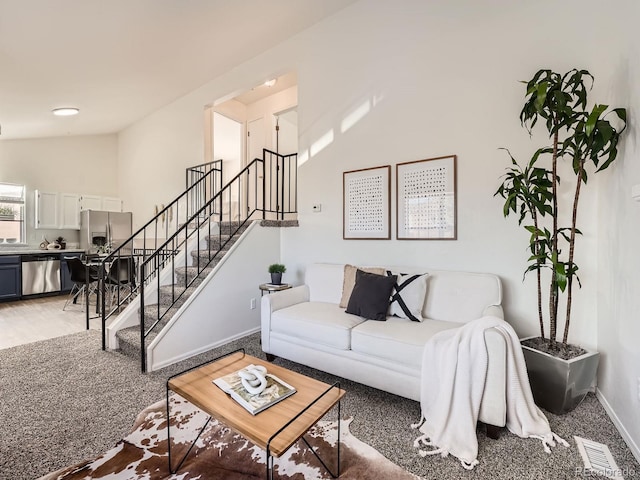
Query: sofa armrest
point(493, 409)
point(277, 301)
point(493, 311)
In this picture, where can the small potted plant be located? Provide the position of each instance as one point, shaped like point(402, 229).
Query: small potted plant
point(62, 242)
point(276, 270)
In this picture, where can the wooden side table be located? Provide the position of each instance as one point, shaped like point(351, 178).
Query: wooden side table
point(270, 287)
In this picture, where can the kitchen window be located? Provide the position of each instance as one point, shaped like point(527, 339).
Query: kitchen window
point(11, 213)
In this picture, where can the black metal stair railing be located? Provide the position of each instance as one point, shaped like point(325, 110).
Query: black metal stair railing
point(118, 281)
point(281, 183)
point(244, 198)
point(206, 189)
point(210, 214)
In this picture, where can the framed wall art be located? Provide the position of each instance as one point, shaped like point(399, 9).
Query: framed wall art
point(426, 199)
point(366, 204)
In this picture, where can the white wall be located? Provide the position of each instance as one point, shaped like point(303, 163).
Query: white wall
point(222, 313)
point(618, 254)
point(431, 80)
point(74, 164)
point(387, 82)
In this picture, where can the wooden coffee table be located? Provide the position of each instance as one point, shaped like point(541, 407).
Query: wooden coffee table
point(275, 429)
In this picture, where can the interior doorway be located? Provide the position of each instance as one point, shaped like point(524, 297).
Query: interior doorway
point(286, 132)
point(256, 139)
point(228, 145)
point(264, 117)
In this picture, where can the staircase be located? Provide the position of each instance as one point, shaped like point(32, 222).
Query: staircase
point(172, 297)
point(183, 244)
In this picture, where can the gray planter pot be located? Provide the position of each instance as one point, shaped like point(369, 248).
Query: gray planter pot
point(276, 278)
point(560, 385)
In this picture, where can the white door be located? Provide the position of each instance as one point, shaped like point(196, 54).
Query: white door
point(256, 141)
point(286, 136)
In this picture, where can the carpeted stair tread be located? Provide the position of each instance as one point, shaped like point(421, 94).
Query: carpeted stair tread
point(129, 338)
point(151, 314)
point(169, 292)
point(279, 223)
point(206, 255)
point(228, 228)
point(191, 273)
point(214, 241)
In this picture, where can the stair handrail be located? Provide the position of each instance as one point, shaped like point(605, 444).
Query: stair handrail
point(282, 189)
point(284, 183)
point(199, 195)
point(128, 249)
point(180, 238)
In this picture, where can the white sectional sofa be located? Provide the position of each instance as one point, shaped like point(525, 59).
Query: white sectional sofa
point(306, 325)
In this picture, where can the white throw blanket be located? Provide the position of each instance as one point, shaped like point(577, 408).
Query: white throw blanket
point(454, 369)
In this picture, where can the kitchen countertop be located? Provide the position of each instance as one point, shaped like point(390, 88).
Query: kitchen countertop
point(32, 250)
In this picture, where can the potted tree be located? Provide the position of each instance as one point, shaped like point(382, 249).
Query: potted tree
point(276, 270)
point(561, 374)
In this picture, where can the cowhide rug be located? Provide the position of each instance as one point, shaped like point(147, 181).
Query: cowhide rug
point(222, 454)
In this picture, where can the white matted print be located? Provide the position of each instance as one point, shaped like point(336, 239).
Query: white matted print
point(366, 204)
point(426, 199)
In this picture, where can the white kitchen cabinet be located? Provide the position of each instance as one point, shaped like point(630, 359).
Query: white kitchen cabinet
point(90, 202)
point(57, 210)
point(96, 202)
point(46, 209)
point(69, 213)
point(62, 210)
point(111, 204)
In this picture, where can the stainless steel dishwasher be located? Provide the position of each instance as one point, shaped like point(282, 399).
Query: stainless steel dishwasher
point(40, 273)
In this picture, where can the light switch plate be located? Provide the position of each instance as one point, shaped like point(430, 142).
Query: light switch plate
point(317, 208)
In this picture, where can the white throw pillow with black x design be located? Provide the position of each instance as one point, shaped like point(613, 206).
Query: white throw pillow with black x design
point(407, 296)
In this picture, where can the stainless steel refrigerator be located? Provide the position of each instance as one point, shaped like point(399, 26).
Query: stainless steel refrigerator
point(99, 228)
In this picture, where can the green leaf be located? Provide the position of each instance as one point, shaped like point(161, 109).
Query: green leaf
point(622, 114)
point(541, 96)
point(593, 118)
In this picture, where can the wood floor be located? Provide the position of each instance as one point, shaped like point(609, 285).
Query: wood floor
point(27, 321)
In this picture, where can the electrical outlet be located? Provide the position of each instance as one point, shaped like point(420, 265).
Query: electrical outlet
point(252, 305)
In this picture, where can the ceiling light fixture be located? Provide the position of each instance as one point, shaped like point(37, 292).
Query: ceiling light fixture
point(270, 83)
point(65, 111)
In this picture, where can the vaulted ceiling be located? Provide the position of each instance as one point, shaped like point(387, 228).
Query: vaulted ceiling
point(119, 60)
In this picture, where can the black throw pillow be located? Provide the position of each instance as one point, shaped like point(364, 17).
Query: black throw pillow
point(370, 296)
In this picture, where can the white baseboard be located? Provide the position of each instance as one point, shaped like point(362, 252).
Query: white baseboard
point(618, 424)
point(206, 348)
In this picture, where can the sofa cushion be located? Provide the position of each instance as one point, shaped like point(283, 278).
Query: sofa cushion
point(398, 339)
point(350, 280)
point(319, 322)
point(407, 298)
point(370, 296)
point(460, 296)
